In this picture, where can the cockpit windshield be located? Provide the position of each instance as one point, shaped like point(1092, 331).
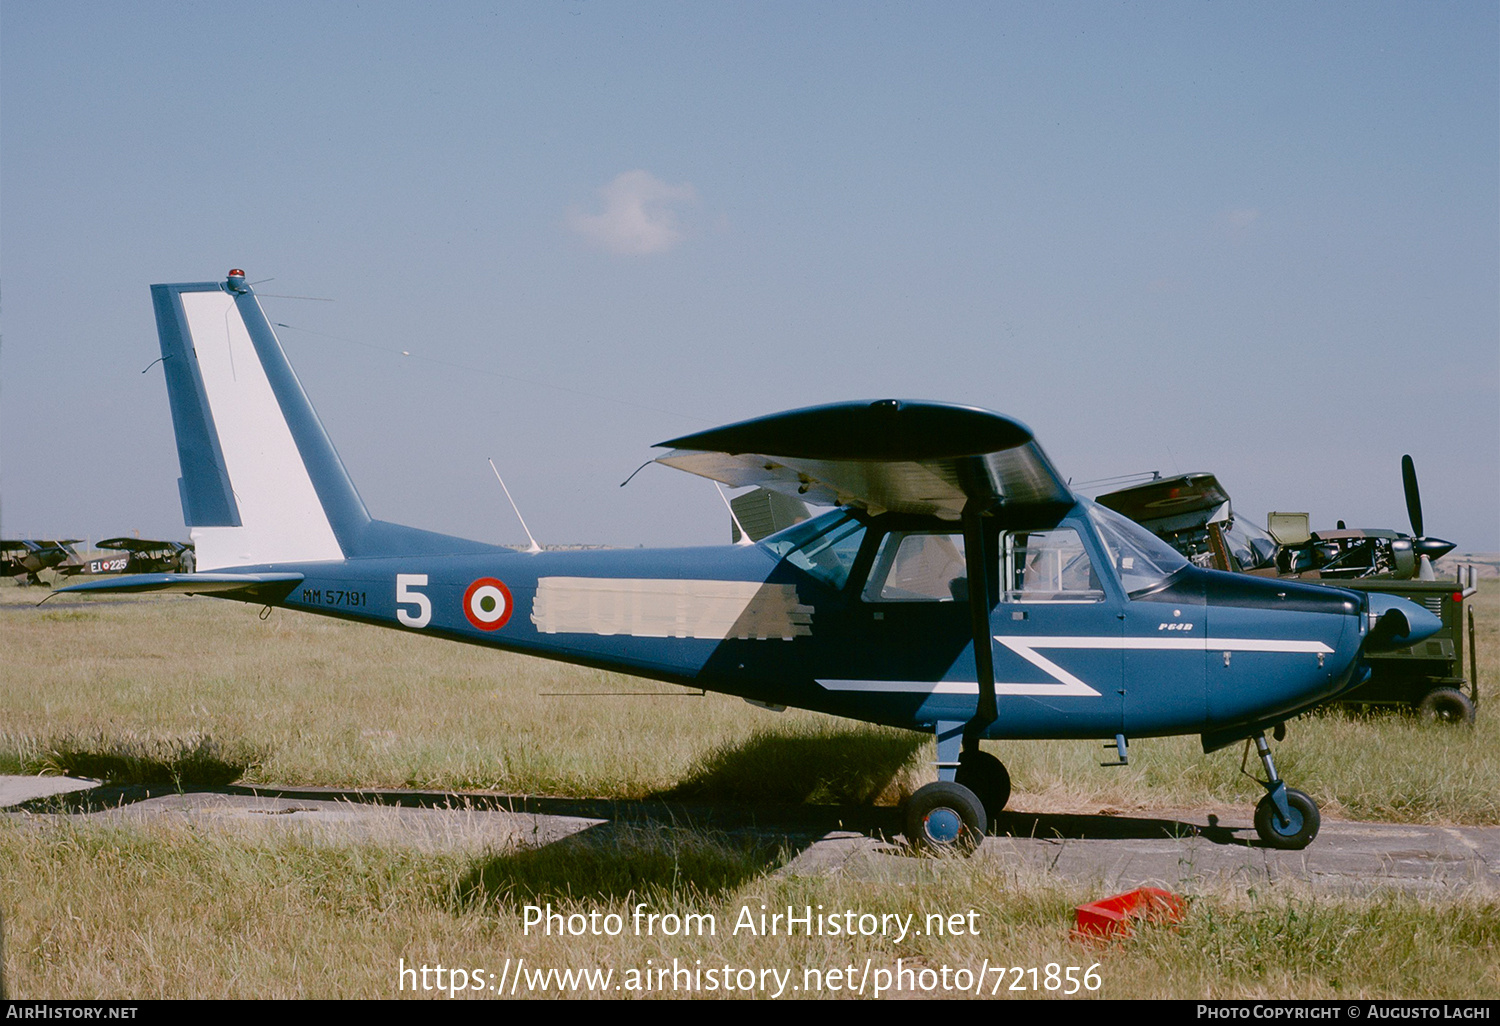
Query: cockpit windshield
point(1142, 560)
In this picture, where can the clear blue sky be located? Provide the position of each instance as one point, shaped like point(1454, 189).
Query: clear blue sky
point(1258, 239)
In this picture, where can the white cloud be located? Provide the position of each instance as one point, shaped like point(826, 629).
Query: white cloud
point(640, 215)
point(1236, 223)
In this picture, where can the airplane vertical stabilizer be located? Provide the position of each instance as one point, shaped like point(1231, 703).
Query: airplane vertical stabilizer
point(261, 482)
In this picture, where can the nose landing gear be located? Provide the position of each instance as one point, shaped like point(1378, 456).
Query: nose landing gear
point(1285, 818)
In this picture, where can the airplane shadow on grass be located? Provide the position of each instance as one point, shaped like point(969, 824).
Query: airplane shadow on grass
point(742, 811)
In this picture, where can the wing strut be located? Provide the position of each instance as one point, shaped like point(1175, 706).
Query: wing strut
point(978, 567)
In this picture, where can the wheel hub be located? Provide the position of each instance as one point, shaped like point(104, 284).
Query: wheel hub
point(943, 826)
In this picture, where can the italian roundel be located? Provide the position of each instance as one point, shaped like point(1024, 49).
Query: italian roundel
point(487, 604)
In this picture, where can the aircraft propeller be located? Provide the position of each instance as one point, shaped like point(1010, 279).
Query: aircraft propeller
point(1413, 496)
point(1427, 549)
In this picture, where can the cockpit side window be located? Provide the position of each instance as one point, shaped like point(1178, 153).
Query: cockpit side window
point(1048, 566)
point(918, 566)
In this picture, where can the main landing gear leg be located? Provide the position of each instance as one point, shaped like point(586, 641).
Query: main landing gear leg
point(1284, 818)
point(987, 777)
point(961, 762)
point(950, 742)
point(946, 816)
point(950, 815)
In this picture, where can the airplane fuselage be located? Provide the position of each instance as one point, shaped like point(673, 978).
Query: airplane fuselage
point(1201, 651)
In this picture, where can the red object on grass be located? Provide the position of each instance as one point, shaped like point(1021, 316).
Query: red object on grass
point(1112, 916)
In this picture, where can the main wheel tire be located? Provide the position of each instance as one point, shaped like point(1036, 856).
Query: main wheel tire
point(1293, 836)
point(987, 777)
point(944, 818)
point(1447, 705)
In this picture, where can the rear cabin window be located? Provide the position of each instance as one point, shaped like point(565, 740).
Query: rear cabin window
point(824, 547)
point(918, 567)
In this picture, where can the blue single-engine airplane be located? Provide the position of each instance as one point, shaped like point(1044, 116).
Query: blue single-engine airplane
point(957, 587)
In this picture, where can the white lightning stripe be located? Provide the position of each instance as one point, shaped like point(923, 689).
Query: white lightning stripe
point(1175, 641)
point(1068, 686)
point(1263, 645)
point(1071, 686)
point(1063, 683)
point(935, 687)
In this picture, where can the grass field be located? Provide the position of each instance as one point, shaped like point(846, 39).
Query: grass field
point(172, 912)
point(95, 688)
point(201, 691)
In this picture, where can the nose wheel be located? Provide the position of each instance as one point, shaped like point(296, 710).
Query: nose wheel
point(1292, 831)
point(1285, 818)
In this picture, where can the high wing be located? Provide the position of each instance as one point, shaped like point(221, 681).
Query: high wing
point(888, 455)
point(140, 545)
point(40, 545)
point(1171, 497)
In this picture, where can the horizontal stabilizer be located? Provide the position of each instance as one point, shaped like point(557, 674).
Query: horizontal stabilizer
point(763, 512)
point(278, 585)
